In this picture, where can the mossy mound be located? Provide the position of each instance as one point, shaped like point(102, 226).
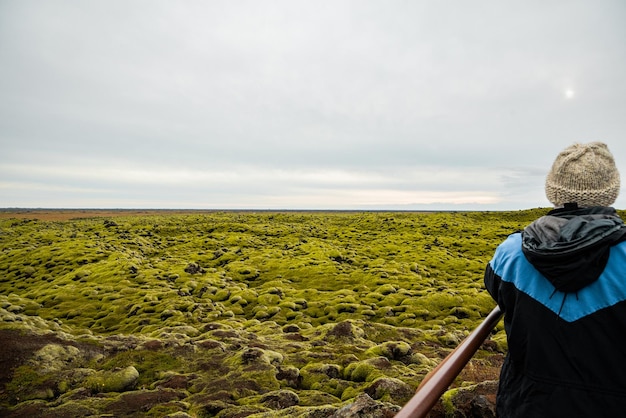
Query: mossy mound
point(238, 314)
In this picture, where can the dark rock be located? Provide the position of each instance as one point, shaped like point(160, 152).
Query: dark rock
point(212, 326)
point(345, 330)
point(476, 401)
point(380, 362)
point(365, 407)
point(251, 355)
point(296, 337)
point(142, 400)
point(210, 344)
point(194, 268)
point(390, 390)
point(280, 399)
point(152, 345)
point(331, 370)
point(212, 408)
point(178, 381)
point(291, 375)
point(342, 329)
point(291, 328)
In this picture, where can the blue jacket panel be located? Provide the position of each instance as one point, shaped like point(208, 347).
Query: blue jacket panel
point(511, 266)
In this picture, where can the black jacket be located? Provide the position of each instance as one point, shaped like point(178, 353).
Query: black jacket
point(562, 286)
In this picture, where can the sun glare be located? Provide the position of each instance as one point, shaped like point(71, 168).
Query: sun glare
point(569, 94)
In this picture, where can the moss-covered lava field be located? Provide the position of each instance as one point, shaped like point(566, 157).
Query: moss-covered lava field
point(234, 314)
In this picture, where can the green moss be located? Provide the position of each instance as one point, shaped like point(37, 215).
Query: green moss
point(501, 341)
point(149, 364)
point(447, 401)
point(322, 377)
point(391, 390)
point(73, 409)
point(28, 383)
point(113, 381)
point(362, 371)
point(317, 397)
point(344, 298)
point(393, 350)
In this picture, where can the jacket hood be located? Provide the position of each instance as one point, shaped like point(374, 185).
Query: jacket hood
point(570, 246)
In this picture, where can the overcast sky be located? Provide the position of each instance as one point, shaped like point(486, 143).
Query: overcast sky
point(389, 104)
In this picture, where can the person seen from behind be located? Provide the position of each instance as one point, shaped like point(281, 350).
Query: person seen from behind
point(561, 283)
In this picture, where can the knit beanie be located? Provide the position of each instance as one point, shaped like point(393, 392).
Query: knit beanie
point(585, 174)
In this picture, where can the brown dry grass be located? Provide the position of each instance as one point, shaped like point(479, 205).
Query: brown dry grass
point(68, 214)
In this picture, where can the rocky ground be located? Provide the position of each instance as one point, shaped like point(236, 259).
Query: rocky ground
point(242, 314)
point(219, 372)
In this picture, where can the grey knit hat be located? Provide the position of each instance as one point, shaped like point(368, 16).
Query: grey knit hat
point(585, 174)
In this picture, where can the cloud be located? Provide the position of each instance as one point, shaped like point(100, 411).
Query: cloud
point(256, 103)
point(257, 186)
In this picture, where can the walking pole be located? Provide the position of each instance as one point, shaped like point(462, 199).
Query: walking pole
point(439, 379)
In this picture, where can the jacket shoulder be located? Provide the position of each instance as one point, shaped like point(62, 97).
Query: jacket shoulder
point(506, 253)
point(510, 264)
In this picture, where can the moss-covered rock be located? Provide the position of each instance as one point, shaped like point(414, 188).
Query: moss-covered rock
point(392, 390)
point(55, 357)
point(366, 370)
point(364, 406)
point(216, 311)
point(392, 350)
point(113, 381)
point(474, 400)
